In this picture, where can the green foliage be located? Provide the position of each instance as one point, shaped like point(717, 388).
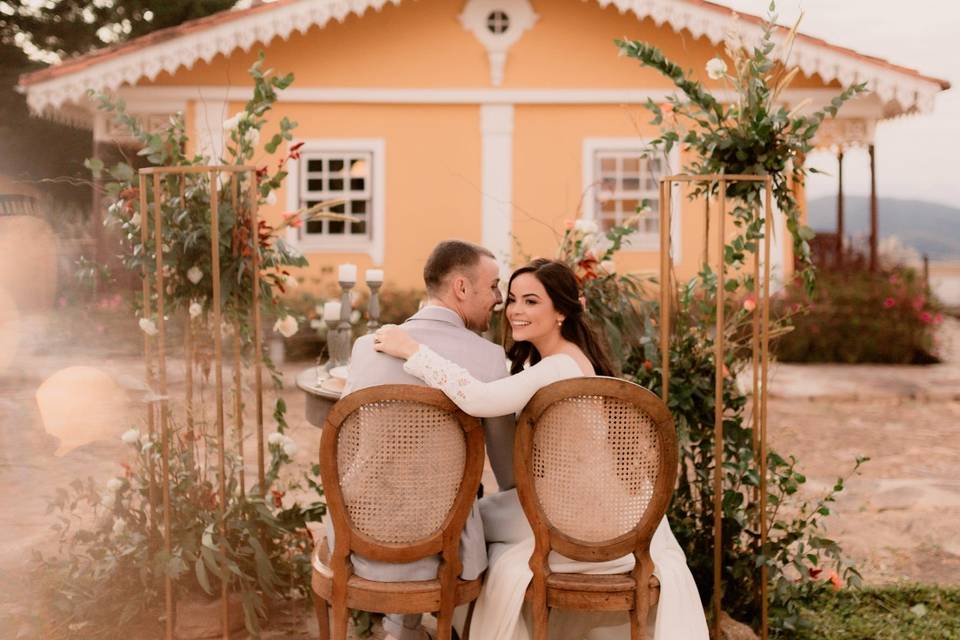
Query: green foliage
point(61, 28)
point(185, 203)
point(797, 551)
point(753, 136)
point(37, 150)
point(855, 316)
point(902, 612)
point(108, 573)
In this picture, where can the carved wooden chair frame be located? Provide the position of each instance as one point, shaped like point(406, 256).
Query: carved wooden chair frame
point(346, 590)
point(593, 592)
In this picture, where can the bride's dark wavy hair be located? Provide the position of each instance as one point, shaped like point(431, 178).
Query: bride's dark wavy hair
point(561, 285)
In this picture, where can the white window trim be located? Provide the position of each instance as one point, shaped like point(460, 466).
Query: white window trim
point(640, 242)
point(375, 244)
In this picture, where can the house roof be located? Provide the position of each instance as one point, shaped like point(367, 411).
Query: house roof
point(899, 88)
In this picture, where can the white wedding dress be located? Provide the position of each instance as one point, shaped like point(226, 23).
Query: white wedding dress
point(499, 612)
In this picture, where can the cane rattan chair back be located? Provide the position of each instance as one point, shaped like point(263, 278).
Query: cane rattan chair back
point(400, 465)
point(595, 463)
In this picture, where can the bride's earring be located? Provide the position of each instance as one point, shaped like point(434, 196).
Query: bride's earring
point(559, 322)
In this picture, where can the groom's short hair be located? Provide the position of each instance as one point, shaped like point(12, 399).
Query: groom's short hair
point(450, 256)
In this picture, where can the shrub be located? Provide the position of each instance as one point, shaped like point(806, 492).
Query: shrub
point(858, 316)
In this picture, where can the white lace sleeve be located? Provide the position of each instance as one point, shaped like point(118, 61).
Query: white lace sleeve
point(488, 399)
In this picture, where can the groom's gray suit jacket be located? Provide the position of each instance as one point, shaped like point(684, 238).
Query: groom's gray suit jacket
point(443, 331)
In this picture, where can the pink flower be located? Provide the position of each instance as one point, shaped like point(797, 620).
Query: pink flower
point(293, 219)
point(918, 302)
point(937, 319)
point(926, 317)
point(889, 303)
point(568, 224)
point(750, 304)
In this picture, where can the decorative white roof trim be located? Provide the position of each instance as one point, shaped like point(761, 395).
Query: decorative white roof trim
point(900, 92)
point(186, 50)
point(908, 92)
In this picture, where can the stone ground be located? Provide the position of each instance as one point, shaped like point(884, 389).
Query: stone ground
point(899, 519)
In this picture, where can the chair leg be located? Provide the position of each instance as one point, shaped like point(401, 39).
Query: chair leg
point(445, 622)
point(341, 619)
point(468, 621)
point(323, 616)
point(541, 619)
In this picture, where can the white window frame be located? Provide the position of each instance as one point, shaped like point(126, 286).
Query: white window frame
point(374, 244)
point(638, 242)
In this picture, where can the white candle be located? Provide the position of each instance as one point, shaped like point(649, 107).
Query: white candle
point(347, 273)
point(374, 275)
point(331, 310)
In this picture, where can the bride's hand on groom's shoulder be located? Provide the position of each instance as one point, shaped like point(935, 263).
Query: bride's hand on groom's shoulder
point(394, 341)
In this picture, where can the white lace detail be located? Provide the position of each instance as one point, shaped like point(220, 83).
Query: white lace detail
point(488, 399)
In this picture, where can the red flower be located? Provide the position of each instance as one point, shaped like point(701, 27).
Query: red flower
point(647, 365)
point(277, 498)
point(889, 303)
point(926, 317)
point(814, 573)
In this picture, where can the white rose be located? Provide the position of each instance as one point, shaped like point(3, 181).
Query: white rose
point(130, 436)
point(108, 499)
point(271, 198)
point(135, 219)
point(114, 484)
point(716, 68)
point(290, 447)
point(286, 326)
point(291, 282)
point(275, 438)
point(355, 316)
point(252, 136)
point(119, 526)
point(195, 309)
point(194, 274)
point(602, 245)
point(148, 326)
point(231, 123)
point(165, 247)
point(586, 226)
point(147, 445)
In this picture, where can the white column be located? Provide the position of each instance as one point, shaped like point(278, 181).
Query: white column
point(496, 126)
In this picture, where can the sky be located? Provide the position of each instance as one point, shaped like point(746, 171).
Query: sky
point(916, 155)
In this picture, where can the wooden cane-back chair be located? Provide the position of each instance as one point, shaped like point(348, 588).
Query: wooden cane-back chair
point(400, 465)
point(595, 463)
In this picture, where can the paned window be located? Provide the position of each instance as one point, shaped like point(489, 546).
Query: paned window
point(623, 179)
point(338, 175)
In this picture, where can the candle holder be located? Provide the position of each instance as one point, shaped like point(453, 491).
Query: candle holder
point(340, 332)
point(373, 308)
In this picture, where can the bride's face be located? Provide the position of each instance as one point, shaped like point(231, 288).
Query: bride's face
point(530, 311)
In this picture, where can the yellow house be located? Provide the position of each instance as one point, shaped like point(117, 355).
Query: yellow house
point(488, 120)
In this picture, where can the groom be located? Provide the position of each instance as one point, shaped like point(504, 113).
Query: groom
point(463, 287)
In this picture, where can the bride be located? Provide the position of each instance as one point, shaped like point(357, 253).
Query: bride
point(551, 342)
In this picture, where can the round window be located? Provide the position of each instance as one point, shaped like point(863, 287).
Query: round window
point(498, 22)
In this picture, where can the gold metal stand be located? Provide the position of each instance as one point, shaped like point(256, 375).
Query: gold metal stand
point(760, 348)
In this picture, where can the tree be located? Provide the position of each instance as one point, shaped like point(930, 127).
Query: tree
point(34, 35)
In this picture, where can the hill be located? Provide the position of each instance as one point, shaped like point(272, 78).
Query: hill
point(928, 227)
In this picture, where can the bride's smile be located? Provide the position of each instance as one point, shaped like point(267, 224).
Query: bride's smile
point(530, 312)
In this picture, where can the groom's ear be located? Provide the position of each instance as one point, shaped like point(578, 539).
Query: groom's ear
point(460, 286)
